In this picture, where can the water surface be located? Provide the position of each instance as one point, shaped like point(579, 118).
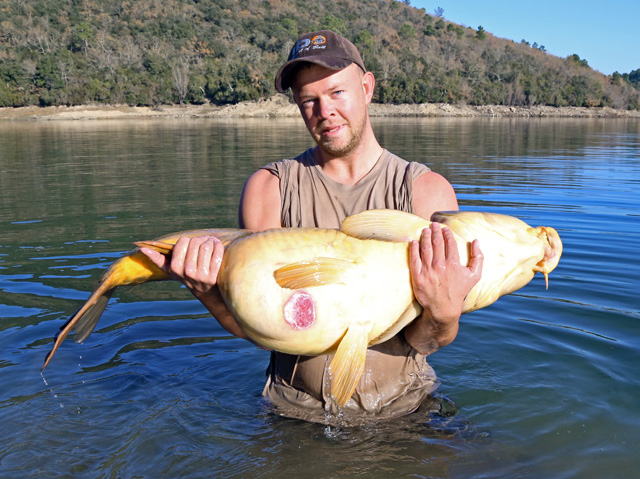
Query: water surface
point(540, 384)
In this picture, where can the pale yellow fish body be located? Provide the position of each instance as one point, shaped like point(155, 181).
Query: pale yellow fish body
point(316, 291)
point(367, 286)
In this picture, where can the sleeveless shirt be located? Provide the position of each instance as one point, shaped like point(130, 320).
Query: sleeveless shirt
point(397, 379)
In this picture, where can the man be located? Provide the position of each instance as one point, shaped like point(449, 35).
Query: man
point(346, 172)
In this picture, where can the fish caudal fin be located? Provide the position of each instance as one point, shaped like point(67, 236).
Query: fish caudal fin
point(385, 225)
point(312, 272)
point(348, 363)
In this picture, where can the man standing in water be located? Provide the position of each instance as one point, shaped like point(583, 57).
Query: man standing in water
point(345, 173)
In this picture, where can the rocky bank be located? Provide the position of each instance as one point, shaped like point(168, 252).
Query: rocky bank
point(279, 106)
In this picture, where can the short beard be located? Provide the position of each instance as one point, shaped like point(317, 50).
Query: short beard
point(344, 150)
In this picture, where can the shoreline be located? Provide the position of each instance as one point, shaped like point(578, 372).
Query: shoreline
point(279, 106)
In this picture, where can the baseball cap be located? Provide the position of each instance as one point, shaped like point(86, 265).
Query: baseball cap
point(325, 48)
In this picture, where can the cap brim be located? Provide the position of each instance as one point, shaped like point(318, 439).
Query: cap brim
point(284, 77)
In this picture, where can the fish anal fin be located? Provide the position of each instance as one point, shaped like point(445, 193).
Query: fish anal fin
point(84, 320)
point(384, 225)
point(312, 272)
point(90, 318)
point(348, 364)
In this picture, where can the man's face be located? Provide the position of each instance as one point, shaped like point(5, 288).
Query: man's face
point(333, 105)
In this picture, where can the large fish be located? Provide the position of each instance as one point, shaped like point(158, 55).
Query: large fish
point(314, 291)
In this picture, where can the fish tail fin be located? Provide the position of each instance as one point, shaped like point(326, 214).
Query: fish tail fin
point(348, 363)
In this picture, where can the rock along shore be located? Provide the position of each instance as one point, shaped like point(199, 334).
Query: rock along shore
point(279, 106)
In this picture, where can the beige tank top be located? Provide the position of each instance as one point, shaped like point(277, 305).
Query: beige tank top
point(397, 378)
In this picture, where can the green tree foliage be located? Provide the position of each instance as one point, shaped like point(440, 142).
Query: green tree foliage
point(147, 52)
point(575, 59)
point(407, 31)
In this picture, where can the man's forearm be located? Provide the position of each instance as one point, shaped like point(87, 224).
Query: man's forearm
point(426, 334)
point(213, 301)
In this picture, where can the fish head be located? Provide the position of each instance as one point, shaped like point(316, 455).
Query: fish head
point(552, 251)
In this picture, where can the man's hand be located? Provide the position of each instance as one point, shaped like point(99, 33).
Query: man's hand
point(440, 284)
point(195, 262)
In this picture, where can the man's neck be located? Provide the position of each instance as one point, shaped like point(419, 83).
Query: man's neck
point(350, 168)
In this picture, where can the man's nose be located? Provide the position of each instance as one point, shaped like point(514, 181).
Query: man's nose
point(325, 108)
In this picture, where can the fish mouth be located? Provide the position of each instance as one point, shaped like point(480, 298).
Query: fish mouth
point(552, 253)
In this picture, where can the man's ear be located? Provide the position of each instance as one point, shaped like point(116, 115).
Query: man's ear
point(368, 84)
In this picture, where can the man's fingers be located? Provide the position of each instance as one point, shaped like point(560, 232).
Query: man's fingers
point(426, 247)
point(156, 258)
point(438, 257)
point(204, 254)
point(476, 260)
point(210, 256)
point(218, 253)
point(451, 247)
point(415, 261)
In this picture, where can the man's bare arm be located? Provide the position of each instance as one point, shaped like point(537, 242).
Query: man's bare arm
point(440, 283)
point(260, 202)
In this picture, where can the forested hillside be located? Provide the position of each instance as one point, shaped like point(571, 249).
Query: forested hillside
point(151, 52)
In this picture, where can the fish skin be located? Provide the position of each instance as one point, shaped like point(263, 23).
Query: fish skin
point(355, 282)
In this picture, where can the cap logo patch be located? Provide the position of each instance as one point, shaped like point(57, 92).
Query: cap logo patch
point(301, 45)
point(318, 40)
point(305, 44)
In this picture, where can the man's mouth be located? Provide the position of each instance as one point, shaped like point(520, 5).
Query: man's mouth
point(330, 130)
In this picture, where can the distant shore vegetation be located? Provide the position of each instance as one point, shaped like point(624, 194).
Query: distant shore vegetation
point(152, 52)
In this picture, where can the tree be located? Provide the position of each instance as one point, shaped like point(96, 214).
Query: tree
point(331, 22)
point(181, 79)
point(575, 59)
point(365, 44)
point(634, 78)
point(152, 52)
point(407, 31)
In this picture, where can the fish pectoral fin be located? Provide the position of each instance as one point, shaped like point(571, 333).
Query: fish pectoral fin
point(384, 225)
point(348, 363)
point(312, 272)
point(159, 246)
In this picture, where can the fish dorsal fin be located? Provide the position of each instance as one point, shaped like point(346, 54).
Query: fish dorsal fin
point(312, 272)
point(385, 225)
point(348, 363)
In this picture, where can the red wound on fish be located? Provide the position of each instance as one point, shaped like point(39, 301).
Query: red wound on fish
point(300, 310)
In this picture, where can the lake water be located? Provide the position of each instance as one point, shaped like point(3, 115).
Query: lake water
point(542, 384)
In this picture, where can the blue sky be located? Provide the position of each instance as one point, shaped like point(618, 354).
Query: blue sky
point(603, 33)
